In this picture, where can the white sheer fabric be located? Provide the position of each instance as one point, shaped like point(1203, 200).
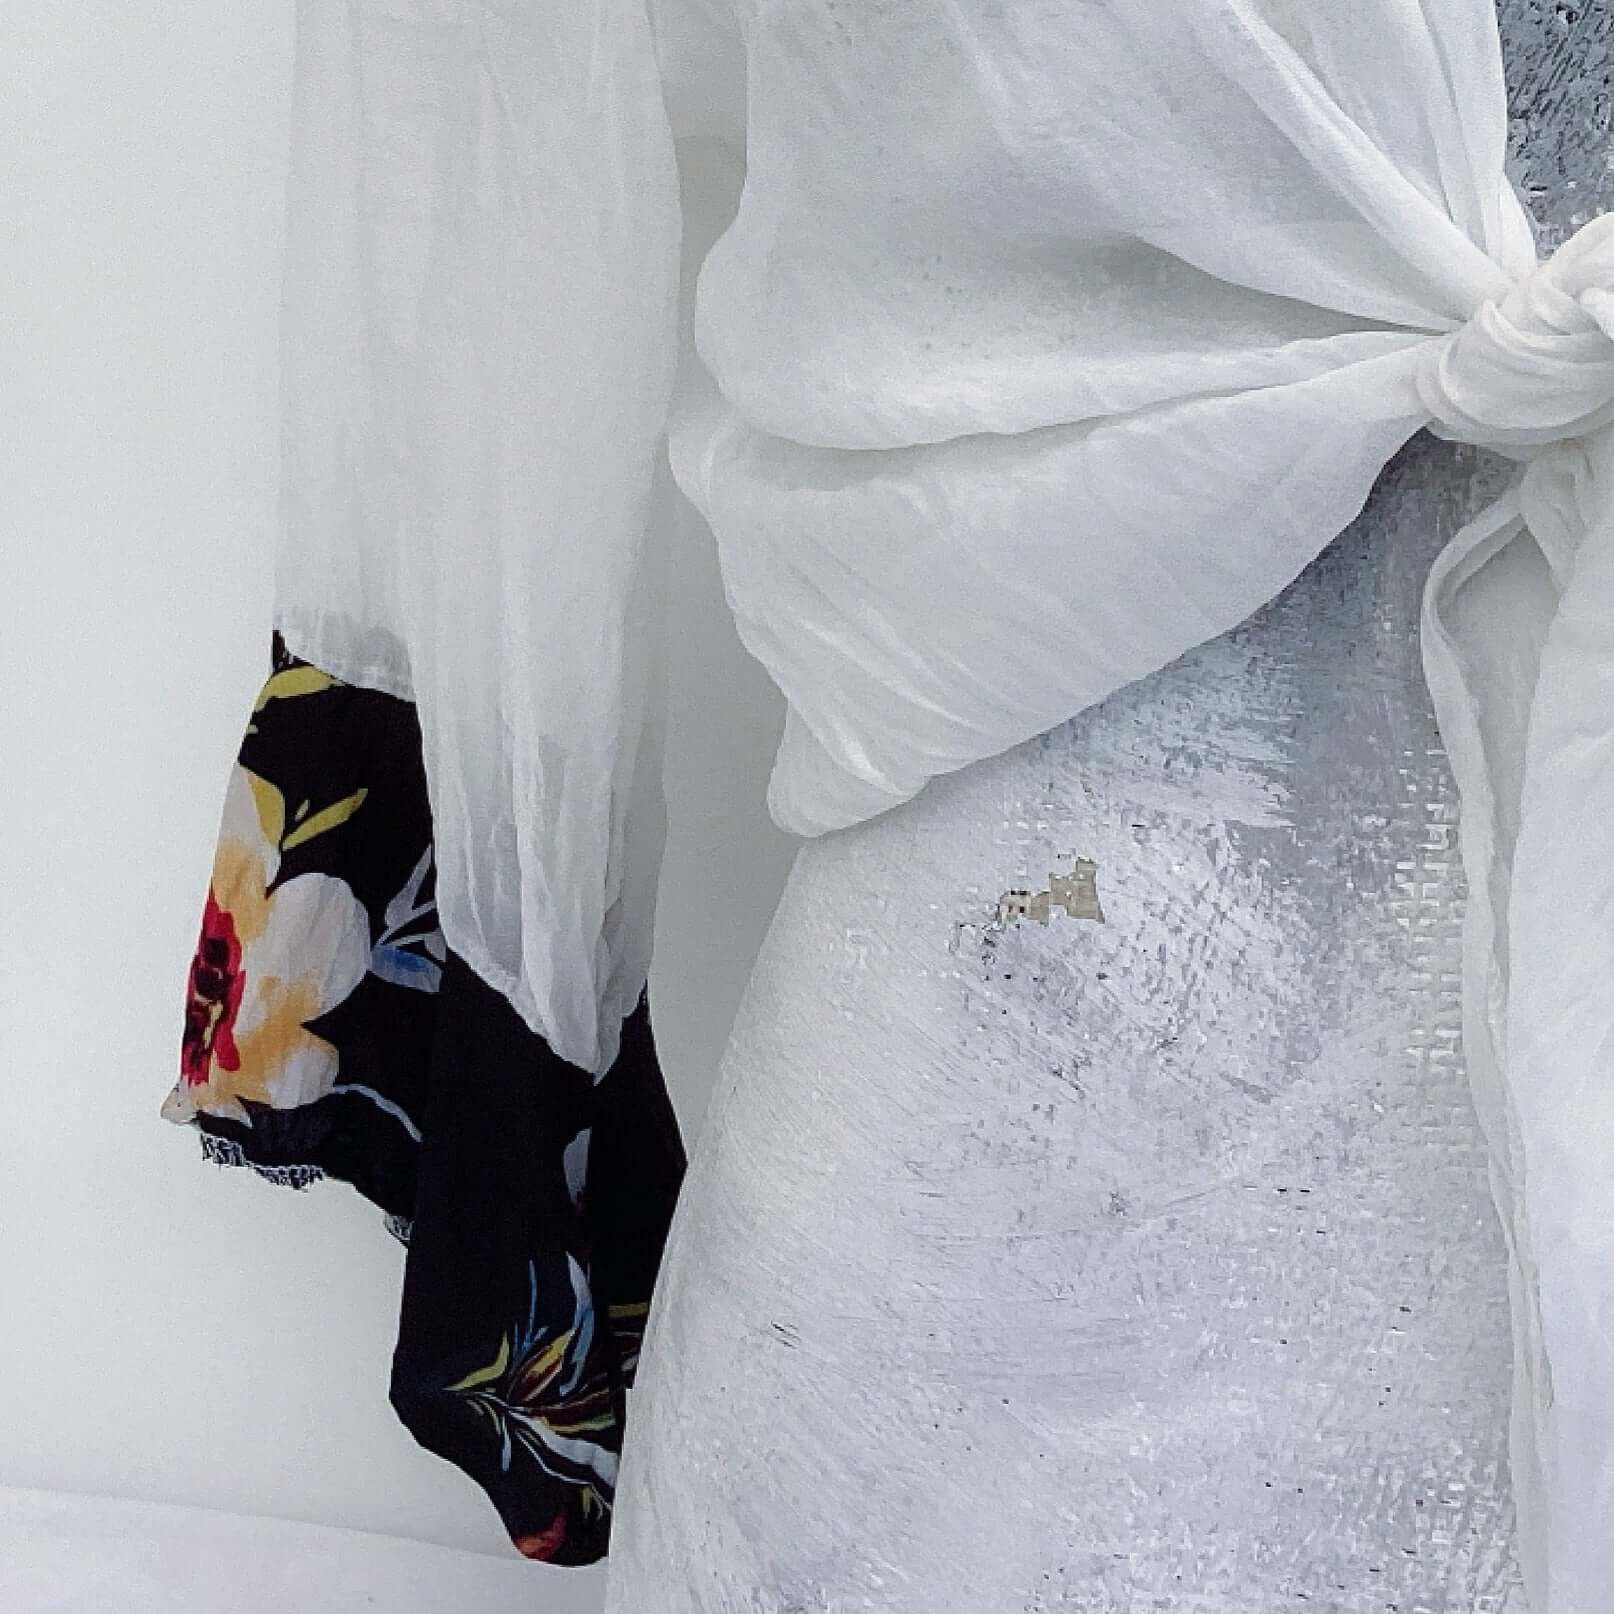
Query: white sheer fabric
point(1047, 343)
point(479, 340)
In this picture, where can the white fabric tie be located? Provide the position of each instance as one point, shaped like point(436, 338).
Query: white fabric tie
point(1531, 375)
point(1535, 364)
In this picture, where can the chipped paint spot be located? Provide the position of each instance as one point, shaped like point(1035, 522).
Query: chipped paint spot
point(1076, 893)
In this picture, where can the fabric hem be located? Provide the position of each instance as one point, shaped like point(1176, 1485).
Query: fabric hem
point(219, 1151)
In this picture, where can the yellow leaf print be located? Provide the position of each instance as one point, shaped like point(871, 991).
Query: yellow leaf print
point(271, 808)
point(486, 1375)
point(293, 681)
point(326, 818)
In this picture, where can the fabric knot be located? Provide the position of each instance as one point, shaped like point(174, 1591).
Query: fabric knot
point(1533, 365)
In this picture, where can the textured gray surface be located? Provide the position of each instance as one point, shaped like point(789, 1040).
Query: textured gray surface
point(1136, 1264)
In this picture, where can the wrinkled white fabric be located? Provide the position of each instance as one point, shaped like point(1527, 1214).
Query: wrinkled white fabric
point(479, 339)
point(1523, 683)
point(1047, 342)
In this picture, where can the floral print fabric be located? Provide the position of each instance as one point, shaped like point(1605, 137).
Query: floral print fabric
point(329, 1032)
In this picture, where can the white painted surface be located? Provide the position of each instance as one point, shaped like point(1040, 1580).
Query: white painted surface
point(170, 1332)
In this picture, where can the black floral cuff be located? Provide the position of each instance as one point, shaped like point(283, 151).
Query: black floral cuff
point(329, 1032)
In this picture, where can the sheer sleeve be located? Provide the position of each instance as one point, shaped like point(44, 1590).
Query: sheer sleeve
point(478, 343)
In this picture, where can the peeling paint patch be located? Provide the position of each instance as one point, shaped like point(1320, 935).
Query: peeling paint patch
point(1076, 893)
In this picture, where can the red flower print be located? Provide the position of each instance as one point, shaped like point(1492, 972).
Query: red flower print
point(272, 957)
point(216, 980)
point(543, 1543)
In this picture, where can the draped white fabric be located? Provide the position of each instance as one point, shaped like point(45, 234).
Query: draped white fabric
point(1047, 342)
point(479, 339)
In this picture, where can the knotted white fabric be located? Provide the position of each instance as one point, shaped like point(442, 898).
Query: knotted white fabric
point(1046, 342)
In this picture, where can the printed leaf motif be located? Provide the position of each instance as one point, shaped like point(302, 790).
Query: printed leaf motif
point(547, 1397)
point(407, 904)
point(270, 807)
point(326, 818)
point(293, 681)
point(400, 968)
point(574, 1162)
point(411, 923)
point(486, 1375)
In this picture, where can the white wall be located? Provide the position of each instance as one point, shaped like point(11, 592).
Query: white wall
point(168, 1331)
